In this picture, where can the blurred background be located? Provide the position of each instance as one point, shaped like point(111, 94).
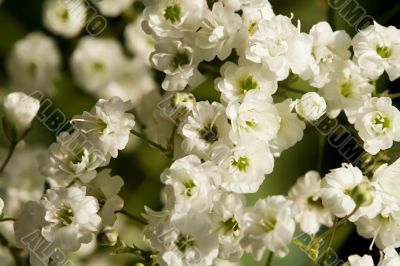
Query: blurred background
point(141, 165)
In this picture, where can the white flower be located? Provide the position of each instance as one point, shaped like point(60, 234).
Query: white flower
point(377, 49)
point(387, 178)
point(1, 207)
point(270, 226)
point(113, 8)
point(96, 62)
point(187, 241)
point(65, 18)
point(227, 219)
point(206, 128)
point(347, 91)
point(356, 260)
point(73, 156)
point(172, 18)
point(244, 167)
point(177, 60)
point(188, 185)
point(290, 130)
point(106, 188)
point(329, 51)
point(108, 125)
point(311, 106)
point(280, 46)
point(138, 42)
point(378, 124)
point(237, 80)
point(217, 34)
point(34, 63)
point(391, 258)
point(19, 112)
point(255, 116)
point(306, 195)
point(71, 217)
point(345, 189)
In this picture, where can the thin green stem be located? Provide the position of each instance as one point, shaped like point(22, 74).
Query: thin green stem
point(152, 143)
point(132, 217)
point(375, 90)
point(269, 259)
point(9, 155)
point(394, 95)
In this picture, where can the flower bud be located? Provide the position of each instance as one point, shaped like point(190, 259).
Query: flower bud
point(311, 106)
point(177, 106)
point(109, 237)
point(20, 109)
point(363, 194)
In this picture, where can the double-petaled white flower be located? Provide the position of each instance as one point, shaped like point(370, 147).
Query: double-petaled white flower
point(377, 49)
point(107, 125)
point(378, 124)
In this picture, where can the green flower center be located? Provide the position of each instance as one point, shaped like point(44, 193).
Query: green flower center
point(184, 242)
point(380, 123)
point(247, 83)
point(64, 15)
point(269, 223)
point(98, 66)
point(346, 89)
point(231, 225)
point(189, 185)
point(315, 203)
point(78, 155)
point(242, 163)
point(180, 59)
point(32, 69)
point(173, 13)
point(384, 51)
point(252, 28)
point(64, 214)
point(209, 134)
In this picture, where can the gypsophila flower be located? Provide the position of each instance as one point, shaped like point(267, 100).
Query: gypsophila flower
point(108, 125)
point(113, 8)
point(356, 260)
point(311, 106)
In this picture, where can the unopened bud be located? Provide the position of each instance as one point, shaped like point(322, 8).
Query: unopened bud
point(109, 237)
point(363, 194)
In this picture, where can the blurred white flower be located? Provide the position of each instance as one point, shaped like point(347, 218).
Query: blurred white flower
point(306, 195)
point(356, 260)
point(113, 8)
point(96, 62)
point(269, 226)
point(65, 18)
point(19, 112)
point(71, 217)
point(34, 63)
point(378, 124)
point(377, 49)
point(108, 125)
point(310, 107)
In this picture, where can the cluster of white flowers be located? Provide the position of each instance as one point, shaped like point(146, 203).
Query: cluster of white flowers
point(221, 150)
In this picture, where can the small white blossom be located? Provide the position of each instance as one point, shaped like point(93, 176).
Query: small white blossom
point(378, 124)
point(108, 125)
point(391, 257)
point(71, 217)
point(377, 49)
point(65, 18)
point(237, 80)
point(329, 52)
point(311, 106)
point(269, 226)
point(34, 63)
point(356, 260)
point(347, 91)
point(244, 167)
point(218, 32)
point(206, 128)
point(255, 116)
point(306, 195)
point(280, 46)
point(291, 129)
point(19, 112)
